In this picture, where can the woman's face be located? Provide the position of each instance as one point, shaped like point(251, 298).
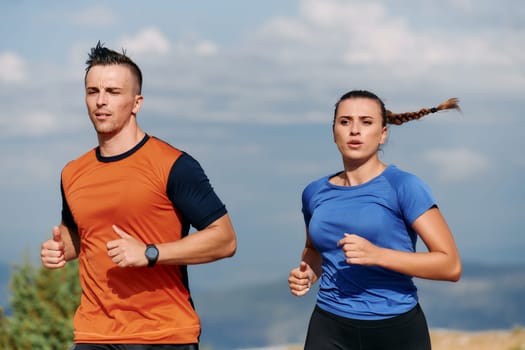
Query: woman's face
point(358, 129)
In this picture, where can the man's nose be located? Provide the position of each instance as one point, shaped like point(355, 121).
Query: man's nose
point(101, 98)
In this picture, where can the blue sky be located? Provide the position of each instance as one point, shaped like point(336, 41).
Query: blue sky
point(248, 89)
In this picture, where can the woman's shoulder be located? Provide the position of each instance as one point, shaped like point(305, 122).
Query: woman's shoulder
point(319, 182)
point(398, 176)
point(404, 182)
point(316, 185)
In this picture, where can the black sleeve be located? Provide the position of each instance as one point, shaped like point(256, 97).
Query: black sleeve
point(67, 217)
point(190, 192)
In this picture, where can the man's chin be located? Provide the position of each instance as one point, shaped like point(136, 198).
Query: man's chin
point(101, 128)
point(105, 132)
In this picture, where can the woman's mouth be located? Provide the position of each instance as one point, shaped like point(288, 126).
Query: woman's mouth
point(354, 144)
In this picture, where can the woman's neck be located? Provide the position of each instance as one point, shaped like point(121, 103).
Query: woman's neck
point(357, 174)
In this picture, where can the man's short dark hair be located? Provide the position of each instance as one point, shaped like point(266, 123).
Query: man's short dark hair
point(102, 56)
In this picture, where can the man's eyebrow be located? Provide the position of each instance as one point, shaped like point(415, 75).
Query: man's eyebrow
point(104, 88)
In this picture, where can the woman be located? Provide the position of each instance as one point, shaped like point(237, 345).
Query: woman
point(361, 229)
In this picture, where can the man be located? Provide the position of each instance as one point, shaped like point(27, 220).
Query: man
point(127, 208)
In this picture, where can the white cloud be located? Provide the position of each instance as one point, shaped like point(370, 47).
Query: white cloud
point(95, 16)
point(35, 123)
point(12, 68)
point(454, 165)
point(285, 28)
point(147, 41)
point(193, 46)
point(369, 33)
point(206, 48)
point(329, 45)
point(291, 70)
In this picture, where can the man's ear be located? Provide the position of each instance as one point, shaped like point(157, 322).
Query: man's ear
point(138, 104)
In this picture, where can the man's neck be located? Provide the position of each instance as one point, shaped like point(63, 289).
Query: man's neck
point(115, 144)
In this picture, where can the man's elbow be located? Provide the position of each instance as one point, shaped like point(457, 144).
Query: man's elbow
point(230, 248)
point(229, 237)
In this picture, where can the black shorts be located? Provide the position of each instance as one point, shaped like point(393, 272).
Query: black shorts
point(408, 331)
point(135, 347)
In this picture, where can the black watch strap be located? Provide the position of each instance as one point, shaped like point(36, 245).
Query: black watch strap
point(152, 254)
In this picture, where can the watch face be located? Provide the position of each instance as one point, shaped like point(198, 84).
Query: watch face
point(151, 252)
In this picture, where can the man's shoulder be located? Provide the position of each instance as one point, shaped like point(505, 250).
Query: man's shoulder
point(158, 142)
point(158, 146)
point(76, 167)
point(87, 157)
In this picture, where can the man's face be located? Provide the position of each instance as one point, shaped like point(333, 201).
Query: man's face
point(112, 98)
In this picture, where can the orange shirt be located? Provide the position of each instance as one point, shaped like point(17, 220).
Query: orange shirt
point(135, 304)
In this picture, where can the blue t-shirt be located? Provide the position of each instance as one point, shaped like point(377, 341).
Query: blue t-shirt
point(381, 210)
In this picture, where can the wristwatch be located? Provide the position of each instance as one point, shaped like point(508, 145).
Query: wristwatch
point(152, 254)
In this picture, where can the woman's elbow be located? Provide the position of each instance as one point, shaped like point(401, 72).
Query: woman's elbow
point(455, 272)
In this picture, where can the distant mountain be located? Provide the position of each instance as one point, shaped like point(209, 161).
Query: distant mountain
point(486, 297)
point(254, 316)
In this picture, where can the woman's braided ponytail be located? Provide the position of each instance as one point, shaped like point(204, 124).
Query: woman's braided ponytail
point(400, 118)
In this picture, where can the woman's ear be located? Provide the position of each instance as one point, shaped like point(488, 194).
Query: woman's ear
point(384, 135)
